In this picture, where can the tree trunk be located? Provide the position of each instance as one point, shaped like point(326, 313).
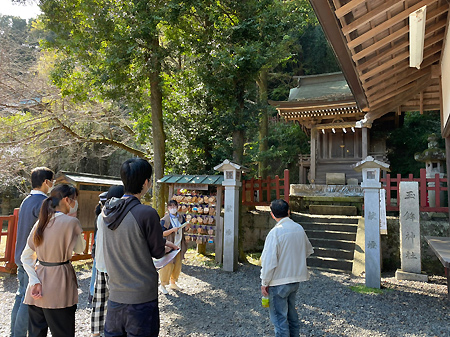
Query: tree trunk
point(239, 133)
point(159, 137)
point(263, 123)
point(238, 146)
point(238, 157)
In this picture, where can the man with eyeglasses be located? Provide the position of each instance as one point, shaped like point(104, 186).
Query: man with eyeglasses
point(42, 183)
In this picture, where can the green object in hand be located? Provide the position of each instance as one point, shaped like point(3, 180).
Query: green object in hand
point(265, 302)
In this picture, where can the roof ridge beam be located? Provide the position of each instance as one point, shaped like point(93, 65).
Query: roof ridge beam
point(393, 77)
point(399, 58)
point(347, 8)
point(429, 31)
point(388, 23)
point(370, 15)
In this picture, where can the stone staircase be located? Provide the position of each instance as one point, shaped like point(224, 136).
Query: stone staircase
point(333, 239)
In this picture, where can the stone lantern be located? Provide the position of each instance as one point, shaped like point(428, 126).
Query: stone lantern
point(434, 159)
point(232, 183)
point(371, 184)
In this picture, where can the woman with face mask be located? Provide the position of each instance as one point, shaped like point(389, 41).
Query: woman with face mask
point(170, 224)
point(52, 293)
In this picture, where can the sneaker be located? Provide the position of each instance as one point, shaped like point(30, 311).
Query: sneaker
point(163, 289)
point(174, 286)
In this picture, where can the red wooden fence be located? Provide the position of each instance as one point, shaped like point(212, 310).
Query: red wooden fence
point(7, 257)
point(260, 192)
point(391, 185)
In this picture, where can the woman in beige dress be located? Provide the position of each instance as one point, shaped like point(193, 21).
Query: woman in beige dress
point(170, 224)
point(52, 293)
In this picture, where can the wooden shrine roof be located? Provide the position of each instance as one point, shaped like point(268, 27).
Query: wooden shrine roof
point(371, 41)
point(216, 179)
point(320, 99)
point(76, 178)
point(319, 112)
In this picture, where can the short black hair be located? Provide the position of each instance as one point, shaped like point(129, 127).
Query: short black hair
point(172, 202)
point(279, 208)
point(134, 172)
point(39, 175)
point(115, 191)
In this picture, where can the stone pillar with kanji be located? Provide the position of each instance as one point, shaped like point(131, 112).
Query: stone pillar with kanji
point(232, 183)
point(371, 184)
point(410, 233)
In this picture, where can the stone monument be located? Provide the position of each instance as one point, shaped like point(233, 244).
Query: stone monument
point(434, 159)
point(232, 183)
point(410, 233)
point(371, 184)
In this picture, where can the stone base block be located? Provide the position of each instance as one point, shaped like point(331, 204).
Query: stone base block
point(352, 181)
point(407, 276)
point(335, 178)
point(332, 210)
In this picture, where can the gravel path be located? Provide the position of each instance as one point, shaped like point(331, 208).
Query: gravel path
point(217, 303)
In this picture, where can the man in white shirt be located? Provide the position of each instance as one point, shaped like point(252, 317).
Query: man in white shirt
point(283, 263)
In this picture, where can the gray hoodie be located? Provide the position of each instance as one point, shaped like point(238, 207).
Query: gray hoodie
point(132, 237)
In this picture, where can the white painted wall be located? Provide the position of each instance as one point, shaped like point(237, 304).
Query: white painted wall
point(445, 72)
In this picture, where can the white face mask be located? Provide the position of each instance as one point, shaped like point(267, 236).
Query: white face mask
point(74, 208)
point(50, 188)
point(173, 211)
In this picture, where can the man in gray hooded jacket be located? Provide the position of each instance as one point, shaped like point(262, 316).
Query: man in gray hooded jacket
point(132, 237)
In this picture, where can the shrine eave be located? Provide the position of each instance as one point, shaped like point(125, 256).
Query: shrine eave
point(303, 111)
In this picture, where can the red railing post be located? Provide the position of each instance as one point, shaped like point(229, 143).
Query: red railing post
point(437, 194)
point(252, 190)
point(277, 186)
point(268, 187)
point(10, 248)
point(388, 190)
point(286, 185)
point(423, 188)
point(260, 189)
point(397, 185)
point(264, 188)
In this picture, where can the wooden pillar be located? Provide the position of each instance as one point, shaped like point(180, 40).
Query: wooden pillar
point(300, 169)
point(313, 154)
point(365, 143)
point(447, 156)
point(171, 191)
point(325, 145)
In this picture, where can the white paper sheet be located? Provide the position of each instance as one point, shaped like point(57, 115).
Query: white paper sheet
point(166, 259)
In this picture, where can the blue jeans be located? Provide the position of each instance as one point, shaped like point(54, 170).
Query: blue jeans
point(132, 320)
point(93, 277)
point(283, 314)
point(19, 314)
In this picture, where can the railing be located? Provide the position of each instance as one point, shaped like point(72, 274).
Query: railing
point(436, 184)
point(7, 257)
point(7, 260)
point(260, 192)
point(89, 237)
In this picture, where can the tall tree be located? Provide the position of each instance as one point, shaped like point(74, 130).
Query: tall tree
point(112, 50)
point(39, 127)
point(234, 44)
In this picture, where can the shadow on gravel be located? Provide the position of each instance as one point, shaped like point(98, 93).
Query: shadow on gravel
point(230, 306)
point(327, 305)
point(83, 285)
point(9, 283)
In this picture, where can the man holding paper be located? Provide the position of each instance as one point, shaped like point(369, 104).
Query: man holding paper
point(132, 236)
point(173, 225)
